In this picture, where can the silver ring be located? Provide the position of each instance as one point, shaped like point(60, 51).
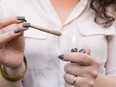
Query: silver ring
point(74, 81)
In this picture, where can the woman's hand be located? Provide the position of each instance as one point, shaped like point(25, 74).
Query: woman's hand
point(82, 71)
point(12, 41)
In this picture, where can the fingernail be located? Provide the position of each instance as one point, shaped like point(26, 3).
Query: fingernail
point(74, 50)
point(17, 30)
point(20, 18)
point(82, 51)
point(61, 56)
point(26, 25)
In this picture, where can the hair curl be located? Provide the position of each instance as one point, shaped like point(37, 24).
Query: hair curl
point(105, 11)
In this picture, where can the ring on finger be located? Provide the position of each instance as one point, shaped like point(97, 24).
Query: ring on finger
point(74, 80)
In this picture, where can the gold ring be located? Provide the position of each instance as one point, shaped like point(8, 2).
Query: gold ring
point(75, 79)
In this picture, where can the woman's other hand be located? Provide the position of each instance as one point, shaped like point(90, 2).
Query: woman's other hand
point(83, 69)
point(12, 41)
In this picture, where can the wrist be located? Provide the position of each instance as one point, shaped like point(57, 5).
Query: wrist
point(10, 77)
point(13, 72)
point(12, 62)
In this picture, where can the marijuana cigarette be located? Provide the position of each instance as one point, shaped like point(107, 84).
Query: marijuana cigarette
point(51, 31)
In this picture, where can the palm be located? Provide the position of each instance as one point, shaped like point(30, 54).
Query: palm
point(11, 52)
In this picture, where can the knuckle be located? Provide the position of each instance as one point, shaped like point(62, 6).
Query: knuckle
point(95, 68)
point(13, 18)
point(82, 57)
point(97, 63)
point(65, 76)
point(94, 73)
point(91, 83)
point(67, 67)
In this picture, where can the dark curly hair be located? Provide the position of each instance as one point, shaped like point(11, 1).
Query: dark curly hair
point(105, 11)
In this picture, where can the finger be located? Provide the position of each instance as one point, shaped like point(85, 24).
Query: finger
point(84, 82)
point(80, 58)
point(9, 36)
point(68, 85)
point(11, 20)
point(75, 69)
point(83, 71)
point(69, 78)
point(85, 49)
point(80, 81)
point(22, 26)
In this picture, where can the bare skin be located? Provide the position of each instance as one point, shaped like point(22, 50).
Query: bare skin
point(64, 8)
point(11, 44)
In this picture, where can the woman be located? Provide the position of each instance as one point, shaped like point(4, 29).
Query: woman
point(86, 24)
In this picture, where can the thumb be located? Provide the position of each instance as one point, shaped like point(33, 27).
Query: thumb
point(85, 49)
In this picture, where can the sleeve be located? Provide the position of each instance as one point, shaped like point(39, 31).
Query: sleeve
point(111, 61)
point(4, 83)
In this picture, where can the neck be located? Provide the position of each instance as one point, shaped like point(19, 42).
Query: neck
point(64, 7)
point(65, 3)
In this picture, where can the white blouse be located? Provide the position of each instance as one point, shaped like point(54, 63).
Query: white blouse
point(42, 49)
